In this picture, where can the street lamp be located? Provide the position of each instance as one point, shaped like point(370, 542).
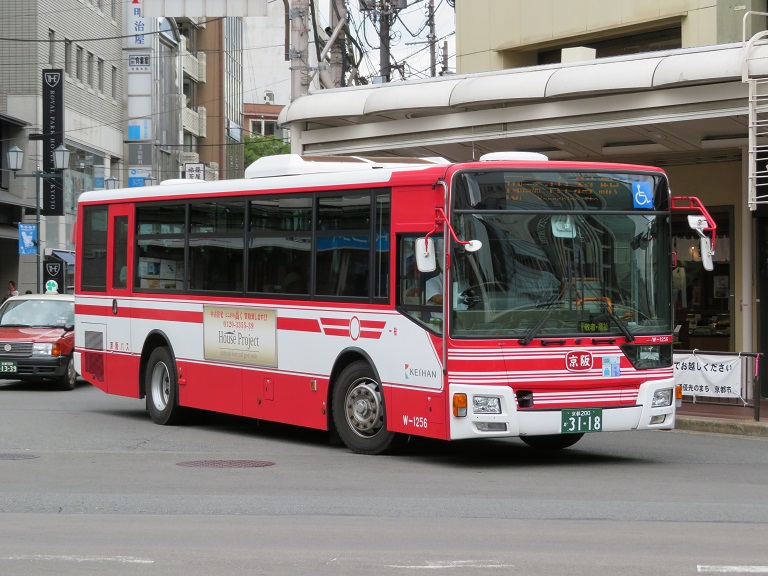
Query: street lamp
point(60, 162)
point(150, 180)
point(111, 183)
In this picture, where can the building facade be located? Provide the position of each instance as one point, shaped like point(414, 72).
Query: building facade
point(82, 39)
point(501, 34)
point(222, 96)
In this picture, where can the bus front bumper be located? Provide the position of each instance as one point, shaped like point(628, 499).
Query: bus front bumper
point(537, 421)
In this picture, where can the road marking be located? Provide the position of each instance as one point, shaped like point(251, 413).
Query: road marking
point(69, 558)
point(450, 564)
point(733, 569)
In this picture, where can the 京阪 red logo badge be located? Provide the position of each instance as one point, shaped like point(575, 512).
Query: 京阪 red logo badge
point(578, 361)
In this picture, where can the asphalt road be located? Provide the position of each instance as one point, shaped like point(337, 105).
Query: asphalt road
point(89, 485)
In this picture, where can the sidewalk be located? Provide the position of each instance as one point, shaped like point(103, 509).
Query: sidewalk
point(723, 419)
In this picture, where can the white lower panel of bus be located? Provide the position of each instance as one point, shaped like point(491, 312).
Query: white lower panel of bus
point(514, 422)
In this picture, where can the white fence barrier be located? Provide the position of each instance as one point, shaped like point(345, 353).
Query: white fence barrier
point(710, 375)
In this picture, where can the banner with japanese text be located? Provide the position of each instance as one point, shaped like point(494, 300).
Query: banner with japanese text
point(709, 375)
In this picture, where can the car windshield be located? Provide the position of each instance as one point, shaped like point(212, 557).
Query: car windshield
point(37, 313)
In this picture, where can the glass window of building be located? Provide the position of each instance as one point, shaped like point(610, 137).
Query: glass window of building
point(51, 47)
point(90, 69)
point(100, 74)
point(68, 56)
point(79, 63)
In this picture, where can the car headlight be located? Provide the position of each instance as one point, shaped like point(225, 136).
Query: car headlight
point(662, 397)
point(486, 405)
point(42, 349)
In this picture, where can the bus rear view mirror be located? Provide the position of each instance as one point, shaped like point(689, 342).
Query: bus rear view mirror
point(425, 255)
point(706, 254)
point(699, 224)
point(563, 226)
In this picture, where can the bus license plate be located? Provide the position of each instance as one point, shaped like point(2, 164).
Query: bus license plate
point(7, 366)
point(582, 420)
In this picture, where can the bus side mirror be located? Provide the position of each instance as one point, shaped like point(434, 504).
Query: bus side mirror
point(706, 253)
point(425, 255)
point(698, 224)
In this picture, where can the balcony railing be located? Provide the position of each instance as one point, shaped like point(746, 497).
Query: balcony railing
point(194, 122)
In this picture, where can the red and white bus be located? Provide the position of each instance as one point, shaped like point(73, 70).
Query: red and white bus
point(386, 297)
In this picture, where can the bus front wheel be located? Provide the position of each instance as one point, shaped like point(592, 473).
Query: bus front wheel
point(552, 441)
point(162, 388)
point(358, 411)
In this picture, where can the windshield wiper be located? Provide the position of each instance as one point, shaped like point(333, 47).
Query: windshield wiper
point(612, 315)
point(623, 327)
point(533, 332)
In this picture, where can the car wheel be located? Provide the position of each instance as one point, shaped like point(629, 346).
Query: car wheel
point(68, 380)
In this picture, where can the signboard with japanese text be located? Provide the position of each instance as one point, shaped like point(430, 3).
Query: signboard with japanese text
point(140, 154)
point(136, 26)
point(240, 335)
point(139, 129)
point(709, 375)
point(138, 62)
point(136, 176)
point(194, 171)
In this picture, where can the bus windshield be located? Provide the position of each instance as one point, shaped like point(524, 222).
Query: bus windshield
point(563, 254)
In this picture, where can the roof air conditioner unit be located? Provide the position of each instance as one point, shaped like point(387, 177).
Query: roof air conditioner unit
point(269, 97)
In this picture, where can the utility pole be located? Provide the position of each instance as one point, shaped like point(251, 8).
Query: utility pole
point(432, 39)
point(444, 71)
point(338, 15)
point(299, 51)
point(386, 11)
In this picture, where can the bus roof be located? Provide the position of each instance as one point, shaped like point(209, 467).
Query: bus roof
point(294, 172)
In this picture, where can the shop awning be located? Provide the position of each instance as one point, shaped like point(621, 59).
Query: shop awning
point(66, 256)
point(5, 118)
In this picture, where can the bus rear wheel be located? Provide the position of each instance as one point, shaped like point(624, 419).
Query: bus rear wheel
point(358, 411)
point(552, 441)
point(162, 388)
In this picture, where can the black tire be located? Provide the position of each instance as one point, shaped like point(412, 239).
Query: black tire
point(552, 441)
point(358, 411)
point(162, 388)
point(68, 380)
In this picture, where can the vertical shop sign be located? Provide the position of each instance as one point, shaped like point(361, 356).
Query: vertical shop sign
point(52, 201)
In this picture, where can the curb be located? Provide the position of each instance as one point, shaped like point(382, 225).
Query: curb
point(722, 426)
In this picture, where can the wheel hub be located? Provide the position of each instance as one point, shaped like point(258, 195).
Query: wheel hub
point(364, 409)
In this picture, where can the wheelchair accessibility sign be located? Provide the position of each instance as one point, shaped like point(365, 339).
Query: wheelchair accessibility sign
point(642, 195)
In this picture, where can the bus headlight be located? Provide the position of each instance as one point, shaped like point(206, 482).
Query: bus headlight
point(662, 397)
point(486, 405)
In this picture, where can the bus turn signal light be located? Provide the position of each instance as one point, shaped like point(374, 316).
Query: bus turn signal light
point(459, 405)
